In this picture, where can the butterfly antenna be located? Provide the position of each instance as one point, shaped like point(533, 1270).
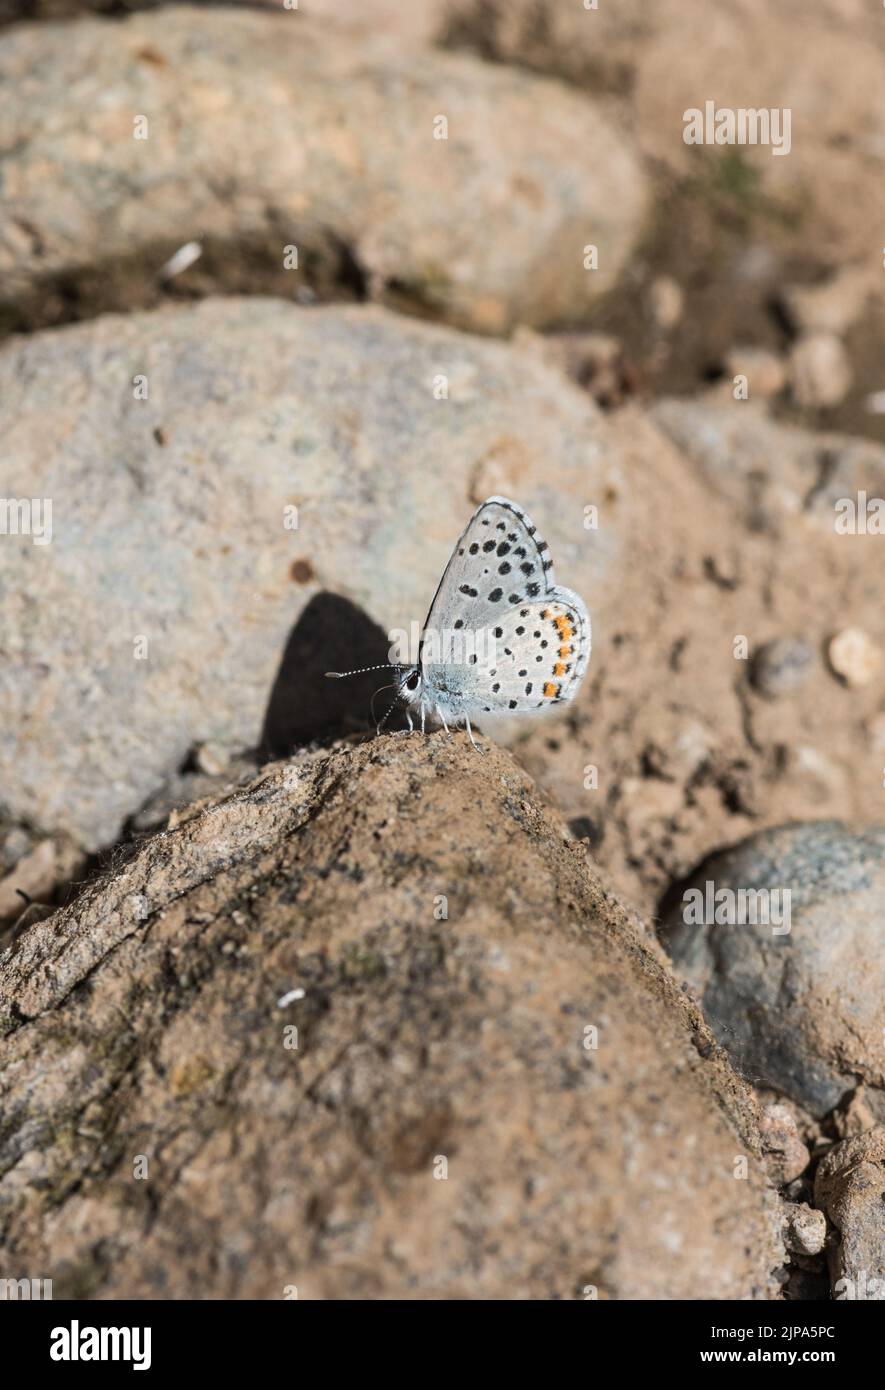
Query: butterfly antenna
point(385, 666)
point(392, 706)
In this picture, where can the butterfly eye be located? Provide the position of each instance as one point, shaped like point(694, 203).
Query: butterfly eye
point(412, 682)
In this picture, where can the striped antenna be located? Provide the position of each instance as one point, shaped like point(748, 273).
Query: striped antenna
point(385, 666)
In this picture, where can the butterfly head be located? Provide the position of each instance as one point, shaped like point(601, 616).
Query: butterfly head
point(411, 685)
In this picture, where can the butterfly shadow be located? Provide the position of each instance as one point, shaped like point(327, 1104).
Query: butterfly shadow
point(332, 634)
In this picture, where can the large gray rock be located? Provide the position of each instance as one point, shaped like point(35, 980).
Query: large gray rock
point(169, 523)
point(801, 1010)
point(266, 126)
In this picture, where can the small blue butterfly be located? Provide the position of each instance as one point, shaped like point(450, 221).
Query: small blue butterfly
point(501, 637)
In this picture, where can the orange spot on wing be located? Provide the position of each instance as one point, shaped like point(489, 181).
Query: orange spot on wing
point(559, 669)
point(549, 690)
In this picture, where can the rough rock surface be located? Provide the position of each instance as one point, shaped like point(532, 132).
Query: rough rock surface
point(170, 524)
point(850, 1187)
point(485, 228)
point(445, 953)
point(802, 1011)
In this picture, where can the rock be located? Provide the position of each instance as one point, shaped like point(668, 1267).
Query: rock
point(213, 759)
point(855, 1117)
point(490, 1060)
point(781, 666)
point(765, 371)
point(782, 479)
point(16, 843)
point(820, 372)
point(345, 156)
point(835, 305)
point(785, 1155)
point(37, 874)
point(854, 657)
point(596, 361)
point(806, 1229)
point(802, 1011)
point(666, 302)
point(850, 1187)
point(206, 616)
point(659, 61)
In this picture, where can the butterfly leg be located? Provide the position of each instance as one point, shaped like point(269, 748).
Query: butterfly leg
point(442, 717)
point(423, 717)
point(470, 734)
point(411, 725)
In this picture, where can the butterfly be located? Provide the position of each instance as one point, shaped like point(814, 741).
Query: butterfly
point(501, 636)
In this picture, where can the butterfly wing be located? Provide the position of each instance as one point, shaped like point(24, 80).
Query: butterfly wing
point(499, 582)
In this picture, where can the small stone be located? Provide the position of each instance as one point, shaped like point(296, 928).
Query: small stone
point(213, 758)
point(16, 844)
point(850, 1187)
point(785, 1154)
point(854, 656)
point(781, 666)
point(856, 1117)
point(820, 373)
point(766, 373)
point(831, 307)
point(666, 302)
point(805, 1228)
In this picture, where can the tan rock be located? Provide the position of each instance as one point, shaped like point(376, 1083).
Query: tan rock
point(832, 307)
point(381, 997)
point(666, 302)
point(855, 1117)
point(765, 371)
point(786, 1155)
point(37, 874)
point(661, 60)
point(435, 182)
point(850, 1187)
point(806, 1228)
point(820, 372)
point(854, 656)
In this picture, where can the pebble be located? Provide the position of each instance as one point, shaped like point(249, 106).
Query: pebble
point(786, 1155)
point(820, 373)
point(781, 666)
point(805, 1229)
point(854, 656)
point(666, 301)
point(766, 373)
